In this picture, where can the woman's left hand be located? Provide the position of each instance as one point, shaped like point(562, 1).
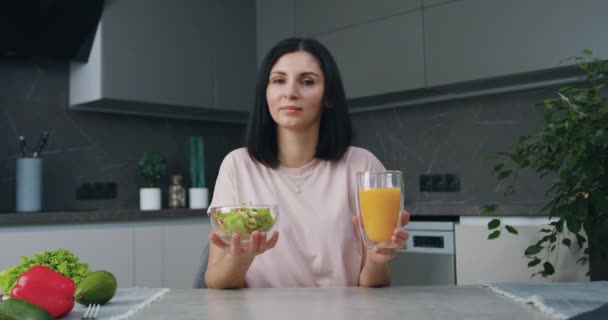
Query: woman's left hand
point(399, 237)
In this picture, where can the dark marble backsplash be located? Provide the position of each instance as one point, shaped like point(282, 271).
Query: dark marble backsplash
point(90, 147)
point(457, 137)
point(447, 137)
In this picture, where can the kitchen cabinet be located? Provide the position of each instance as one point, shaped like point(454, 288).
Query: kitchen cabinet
point(381, 56)
point(183, 246)
point(477, 39)
point(103, 247)
point(163, 253)
point(480, 260)
point(313, 17)
point(275, 22)
point(388, 51)
point(183, 59)
point(148, 256)
point(168, 255)
point(378, 48)
point(429, 3)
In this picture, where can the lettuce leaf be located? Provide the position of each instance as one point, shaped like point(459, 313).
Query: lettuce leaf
point(60, 260)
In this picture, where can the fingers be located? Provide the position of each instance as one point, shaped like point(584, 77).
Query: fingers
point(215, 239)
point(258, 242)
point(405, 217)
point(273, 240)
point(388, 252)
point(235, 244)
point(254, 242)
point(356, 220)
point(400, 237)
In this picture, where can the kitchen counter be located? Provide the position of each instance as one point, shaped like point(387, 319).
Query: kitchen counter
point(457, 209)
point(412, 302)
point(117, 215)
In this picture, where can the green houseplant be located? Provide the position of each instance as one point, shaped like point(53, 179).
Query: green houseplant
point(198, 193)
point(573, 147)
point(152, 167)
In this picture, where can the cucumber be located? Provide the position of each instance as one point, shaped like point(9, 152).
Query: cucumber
point(17, 309)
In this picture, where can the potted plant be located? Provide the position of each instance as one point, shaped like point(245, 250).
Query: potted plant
point(573, 147)
point(198, 193)
point(152, 167)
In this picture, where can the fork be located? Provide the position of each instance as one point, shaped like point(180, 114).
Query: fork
point(91, 313)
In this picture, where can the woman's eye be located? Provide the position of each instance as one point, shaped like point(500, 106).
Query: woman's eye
point(278, 81)
point(308, 82)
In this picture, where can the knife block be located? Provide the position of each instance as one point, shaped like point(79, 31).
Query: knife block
point(29, 184)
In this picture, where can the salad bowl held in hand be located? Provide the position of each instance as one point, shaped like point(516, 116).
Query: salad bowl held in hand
point(244, 220)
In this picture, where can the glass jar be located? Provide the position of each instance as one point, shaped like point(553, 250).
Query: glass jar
point(177, 193)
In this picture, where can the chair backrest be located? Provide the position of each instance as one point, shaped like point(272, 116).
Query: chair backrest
point(199, 279)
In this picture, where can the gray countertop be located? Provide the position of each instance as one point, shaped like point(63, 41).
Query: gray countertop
point(106, 215)
point(412, 302)
point(115, 215)
point(457, 209)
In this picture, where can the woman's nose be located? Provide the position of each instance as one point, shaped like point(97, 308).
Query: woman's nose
point(291, 91)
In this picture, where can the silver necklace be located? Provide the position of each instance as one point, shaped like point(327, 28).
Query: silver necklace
point(291, 182)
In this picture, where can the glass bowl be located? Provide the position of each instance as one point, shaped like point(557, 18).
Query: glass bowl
point(228, 220)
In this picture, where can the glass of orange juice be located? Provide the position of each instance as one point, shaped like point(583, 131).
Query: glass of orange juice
point(379, 205)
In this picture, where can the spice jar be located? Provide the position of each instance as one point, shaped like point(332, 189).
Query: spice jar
point(177, 193)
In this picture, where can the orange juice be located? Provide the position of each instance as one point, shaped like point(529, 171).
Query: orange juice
point(379, 212)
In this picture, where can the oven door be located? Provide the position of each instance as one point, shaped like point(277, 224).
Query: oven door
point(428, 259)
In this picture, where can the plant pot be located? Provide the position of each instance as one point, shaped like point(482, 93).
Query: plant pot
point(198, 198)
point(149, 199)
point(29, 184)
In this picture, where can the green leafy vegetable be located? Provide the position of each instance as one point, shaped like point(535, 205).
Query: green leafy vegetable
point(245, 220)
point(60, 260)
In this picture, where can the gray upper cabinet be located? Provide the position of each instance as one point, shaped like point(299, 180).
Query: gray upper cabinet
point(378, 45)
point(235, 47)
point(379, 57)
point(476, 39)
point(189, 59)
point(428, 3)
point(319, 16)
point(274, 23)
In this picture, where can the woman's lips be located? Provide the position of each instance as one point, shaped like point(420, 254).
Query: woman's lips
point(290, 109)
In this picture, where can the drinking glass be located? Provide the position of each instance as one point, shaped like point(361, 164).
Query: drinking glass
point(379, 206)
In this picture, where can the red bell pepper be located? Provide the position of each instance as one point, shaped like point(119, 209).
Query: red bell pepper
point(47, 289)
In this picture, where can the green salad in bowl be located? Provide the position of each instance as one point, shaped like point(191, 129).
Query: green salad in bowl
point(244, 220)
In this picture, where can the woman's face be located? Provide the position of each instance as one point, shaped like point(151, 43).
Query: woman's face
point(295, 91)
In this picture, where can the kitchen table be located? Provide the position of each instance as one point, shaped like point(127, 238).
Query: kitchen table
point(407, 302)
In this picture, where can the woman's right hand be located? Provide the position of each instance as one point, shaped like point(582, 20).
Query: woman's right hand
point(258, 244)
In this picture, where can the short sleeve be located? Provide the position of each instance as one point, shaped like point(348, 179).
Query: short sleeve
point(373, 164)
point(224, 191)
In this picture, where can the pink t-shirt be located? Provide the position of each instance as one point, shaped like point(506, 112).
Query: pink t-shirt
point(318, 245)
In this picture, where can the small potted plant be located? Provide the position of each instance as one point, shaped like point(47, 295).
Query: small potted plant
point(198, 193)
point(152, 167)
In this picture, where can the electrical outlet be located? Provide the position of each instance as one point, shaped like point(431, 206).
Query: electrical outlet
point(97, 191)
point(425, 183)
point(438, 182)
point(452, 183)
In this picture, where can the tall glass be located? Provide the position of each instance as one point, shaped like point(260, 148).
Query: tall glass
point(379, 205)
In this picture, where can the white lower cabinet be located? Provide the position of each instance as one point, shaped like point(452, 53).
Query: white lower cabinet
point(183, 246)
point(145, 254)
point(168, 254)
point(479, 260)
point(103, 246)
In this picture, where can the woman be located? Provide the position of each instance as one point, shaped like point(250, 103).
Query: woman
point(298, 155)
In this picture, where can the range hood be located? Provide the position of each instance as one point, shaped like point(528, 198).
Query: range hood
point(61, 29)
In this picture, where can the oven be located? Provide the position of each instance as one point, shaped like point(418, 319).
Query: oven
point(428, 258)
